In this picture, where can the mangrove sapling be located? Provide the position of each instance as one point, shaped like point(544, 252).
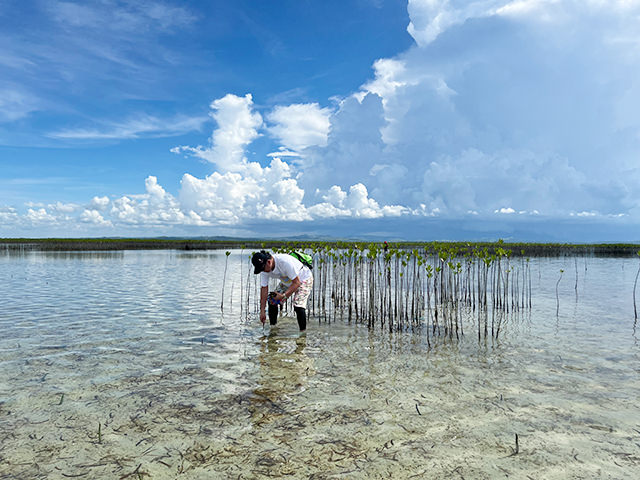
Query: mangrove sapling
point(224, 277)
point(241, 290)
point(576, 287)
point(517, 449)
point(499, 324)
point(557, 296)
point(529, 275)
point(635, 311)
point(248, 288)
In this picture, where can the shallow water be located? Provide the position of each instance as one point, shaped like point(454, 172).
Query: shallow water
point(122, 365)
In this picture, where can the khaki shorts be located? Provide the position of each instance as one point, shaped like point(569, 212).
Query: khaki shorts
point(301, 296)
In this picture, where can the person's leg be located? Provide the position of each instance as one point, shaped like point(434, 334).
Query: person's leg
point(273, 309)
point(273, 314)
point(301, 315)
point(300, 303)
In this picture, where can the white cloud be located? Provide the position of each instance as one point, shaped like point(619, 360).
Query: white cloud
point(553, 10)
point(99, 203)
point(505, 109)
point(130, 18)
point(585, 214)
point(388, 77)
point(505, 211)
point(356, 203)
point(429, 18)
point(155, 191)
point(156, 207)
point(327, 210)
point(238, 126)
point(360, 204)
point(283, 153)
point(39, 215)
point(253, 193)
point(299, 126)
point(140, 126)
point(8, 215)
point(74, 60)
point(94, 217)
point(16, 104)
point(335, 196)
point(525, 7)
point(353, 145)
point(63, 208)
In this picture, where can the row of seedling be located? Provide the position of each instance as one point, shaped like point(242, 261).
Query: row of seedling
point(434, 286)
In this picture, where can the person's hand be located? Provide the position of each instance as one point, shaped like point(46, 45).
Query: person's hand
point(263, 317)
point(280, 297)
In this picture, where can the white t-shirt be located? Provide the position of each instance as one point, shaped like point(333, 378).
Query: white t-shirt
point(286, 269)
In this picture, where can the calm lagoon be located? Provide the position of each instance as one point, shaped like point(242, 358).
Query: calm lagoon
point(123, 365)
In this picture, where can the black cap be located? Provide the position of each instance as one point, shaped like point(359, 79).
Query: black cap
point(259, 260)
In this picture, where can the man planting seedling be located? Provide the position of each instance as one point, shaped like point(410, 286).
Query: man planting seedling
point(294, 273)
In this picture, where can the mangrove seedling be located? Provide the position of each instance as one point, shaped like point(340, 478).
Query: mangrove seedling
point(635, 311)
point(224, 277)
point(557, 297)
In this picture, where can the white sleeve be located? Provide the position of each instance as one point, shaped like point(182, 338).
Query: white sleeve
point(264, 280)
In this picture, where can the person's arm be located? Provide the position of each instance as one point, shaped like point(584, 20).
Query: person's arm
point(264, 292)
point(295, 284)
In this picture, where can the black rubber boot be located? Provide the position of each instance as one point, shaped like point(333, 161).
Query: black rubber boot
point(301, 315)
point(273, 314)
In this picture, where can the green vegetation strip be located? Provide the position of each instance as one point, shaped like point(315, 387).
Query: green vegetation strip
point(102, 244)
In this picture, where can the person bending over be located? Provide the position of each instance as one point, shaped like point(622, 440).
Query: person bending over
point(295, 279)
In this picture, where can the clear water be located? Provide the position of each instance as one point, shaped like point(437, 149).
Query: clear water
point(123, 365)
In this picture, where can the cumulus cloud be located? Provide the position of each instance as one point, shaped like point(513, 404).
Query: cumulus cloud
point(505, 211)
point(585, 214)
point(99, 203)
point(299, 126)
point(354, 203)
point(271, 193)
point(353, 145)
point(94, 217)
point(524, 103)
point(429, 18)
point(63, 208)
point(39, 215)
point(238, 126)
point(232, 196)
point(156, 207)
point(252, 194)
point(389, 76)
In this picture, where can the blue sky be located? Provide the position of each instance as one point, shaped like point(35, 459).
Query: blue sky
point(426, 119)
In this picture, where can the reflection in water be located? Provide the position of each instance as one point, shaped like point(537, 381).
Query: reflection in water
point(61, 255)
point(283, 371)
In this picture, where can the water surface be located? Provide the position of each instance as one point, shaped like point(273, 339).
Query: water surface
point(124, 365)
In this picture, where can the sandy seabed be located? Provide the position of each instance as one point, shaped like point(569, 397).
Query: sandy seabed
point(339, 402)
